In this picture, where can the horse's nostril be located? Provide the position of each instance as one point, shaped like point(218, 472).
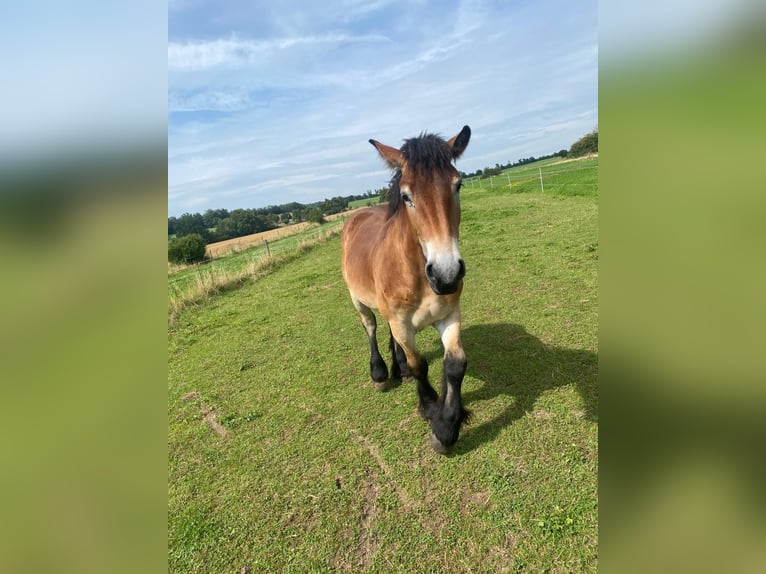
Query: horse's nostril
point(430, 270)
point(461, 272)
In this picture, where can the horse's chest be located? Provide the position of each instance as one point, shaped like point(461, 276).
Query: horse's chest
point(430, 310)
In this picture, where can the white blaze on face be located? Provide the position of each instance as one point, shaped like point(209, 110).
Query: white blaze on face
point(444, 259)
point(444, 266)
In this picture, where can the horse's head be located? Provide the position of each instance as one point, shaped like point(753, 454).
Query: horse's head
point(427, 186)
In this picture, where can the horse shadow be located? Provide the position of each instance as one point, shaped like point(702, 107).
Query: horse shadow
point(510, 361)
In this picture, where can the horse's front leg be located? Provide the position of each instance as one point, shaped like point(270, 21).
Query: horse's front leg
point(451, 415)
point(430, 405)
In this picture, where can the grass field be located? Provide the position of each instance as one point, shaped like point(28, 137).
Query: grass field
point(181, 280)
point(363, 202)
point(283, 458)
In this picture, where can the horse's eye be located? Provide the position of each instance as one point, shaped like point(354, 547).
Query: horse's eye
point(407, 199)
point(459, 185)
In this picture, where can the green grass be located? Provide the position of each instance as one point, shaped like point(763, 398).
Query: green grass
point(578, 177)
point(182, 280)
point(363, 202)
point(315, 471)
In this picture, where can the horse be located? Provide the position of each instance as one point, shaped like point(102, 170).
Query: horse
point(403, 261)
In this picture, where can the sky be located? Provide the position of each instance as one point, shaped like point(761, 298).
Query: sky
point(273, 102)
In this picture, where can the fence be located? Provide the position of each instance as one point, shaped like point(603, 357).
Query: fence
point(579, 177)
point(553, 178)
point(238, 263)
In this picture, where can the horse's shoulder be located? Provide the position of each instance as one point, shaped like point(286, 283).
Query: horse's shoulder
point(365, 216)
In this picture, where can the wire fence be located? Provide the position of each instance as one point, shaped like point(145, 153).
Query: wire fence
point(249, 257)
point(555, 178)
point(577, 180)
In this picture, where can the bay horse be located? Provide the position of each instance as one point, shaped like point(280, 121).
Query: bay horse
point(403, 261)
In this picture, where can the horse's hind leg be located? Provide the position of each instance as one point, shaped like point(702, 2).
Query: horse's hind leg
point(399, 368)
point(378, 369)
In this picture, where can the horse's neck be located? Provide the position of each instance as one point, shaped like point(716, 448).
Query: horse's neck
point(400, 229)
point(400, 234)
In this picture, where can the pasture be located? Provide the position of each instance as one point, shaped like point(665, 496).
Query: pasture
point(363, 202)
point(182, 280)
point(283, 457)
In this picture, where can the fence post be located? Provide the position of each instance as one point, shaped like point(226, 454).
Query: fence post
point(490, 182)
point(268, 251)
point(541, 179)
point(508, 175)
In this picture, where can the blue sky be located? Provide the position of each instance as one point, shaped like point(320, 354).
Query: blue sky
point(273, 102)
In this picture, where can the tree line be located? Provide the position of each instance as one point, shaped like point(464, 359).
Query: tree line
point(221, 224)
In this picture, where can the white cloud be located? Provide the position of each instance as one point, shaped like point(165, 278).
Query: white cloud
point(214, 100)
point(234, 52)
point(300, 105)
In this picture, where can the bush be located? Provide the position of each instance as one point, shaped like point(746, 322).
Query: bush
point(314, 215)
point(585, 145)
point(186, 249)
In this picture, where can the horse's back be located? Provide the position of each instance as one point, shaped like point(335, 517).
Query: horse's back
point(374, 216)
point(360, 236)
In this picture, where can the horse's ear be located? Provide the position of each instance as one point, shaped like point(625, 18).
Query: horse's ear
point(458, 143)
point(392, 156)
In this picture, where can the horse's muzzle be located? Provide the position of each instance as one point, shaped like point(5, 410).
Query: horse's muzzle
point(438, 446)
point(445, 283)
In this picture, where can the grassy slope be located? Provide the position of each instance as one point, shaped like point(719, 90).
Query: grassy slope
point(319, 472)
point(181, 280)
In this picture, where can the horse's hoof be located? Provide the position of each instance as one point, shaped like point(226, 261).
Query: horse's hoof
point(384, 386)
point(379, 373)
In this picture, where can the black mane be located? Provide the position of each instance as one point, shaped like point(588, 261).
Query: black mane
point(425, 153)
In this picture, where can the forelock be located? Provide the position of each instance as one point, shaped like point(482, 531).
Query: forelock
point(427, 152)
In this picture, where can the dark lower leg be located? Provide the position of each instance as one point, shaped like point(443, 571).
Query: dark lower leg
point(427, 398)
point(378, 369)
point(450, 412)
point(452, 404)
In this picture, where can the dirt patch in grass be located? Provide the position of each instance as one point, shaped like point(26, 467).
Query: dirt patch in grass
point(408, 504)
point(368, 542)
point(209, 416)
point(480, 498)
point(541, 414)
point(501, 557)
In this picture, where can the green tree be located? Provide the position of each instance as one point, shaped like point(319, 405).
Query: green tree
point(585, 145)
point(314, 215)
point(382, 194)
point(190, 223)
point(334, 205)
point(212, 217)
point(187, 249)
point(226, 229)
